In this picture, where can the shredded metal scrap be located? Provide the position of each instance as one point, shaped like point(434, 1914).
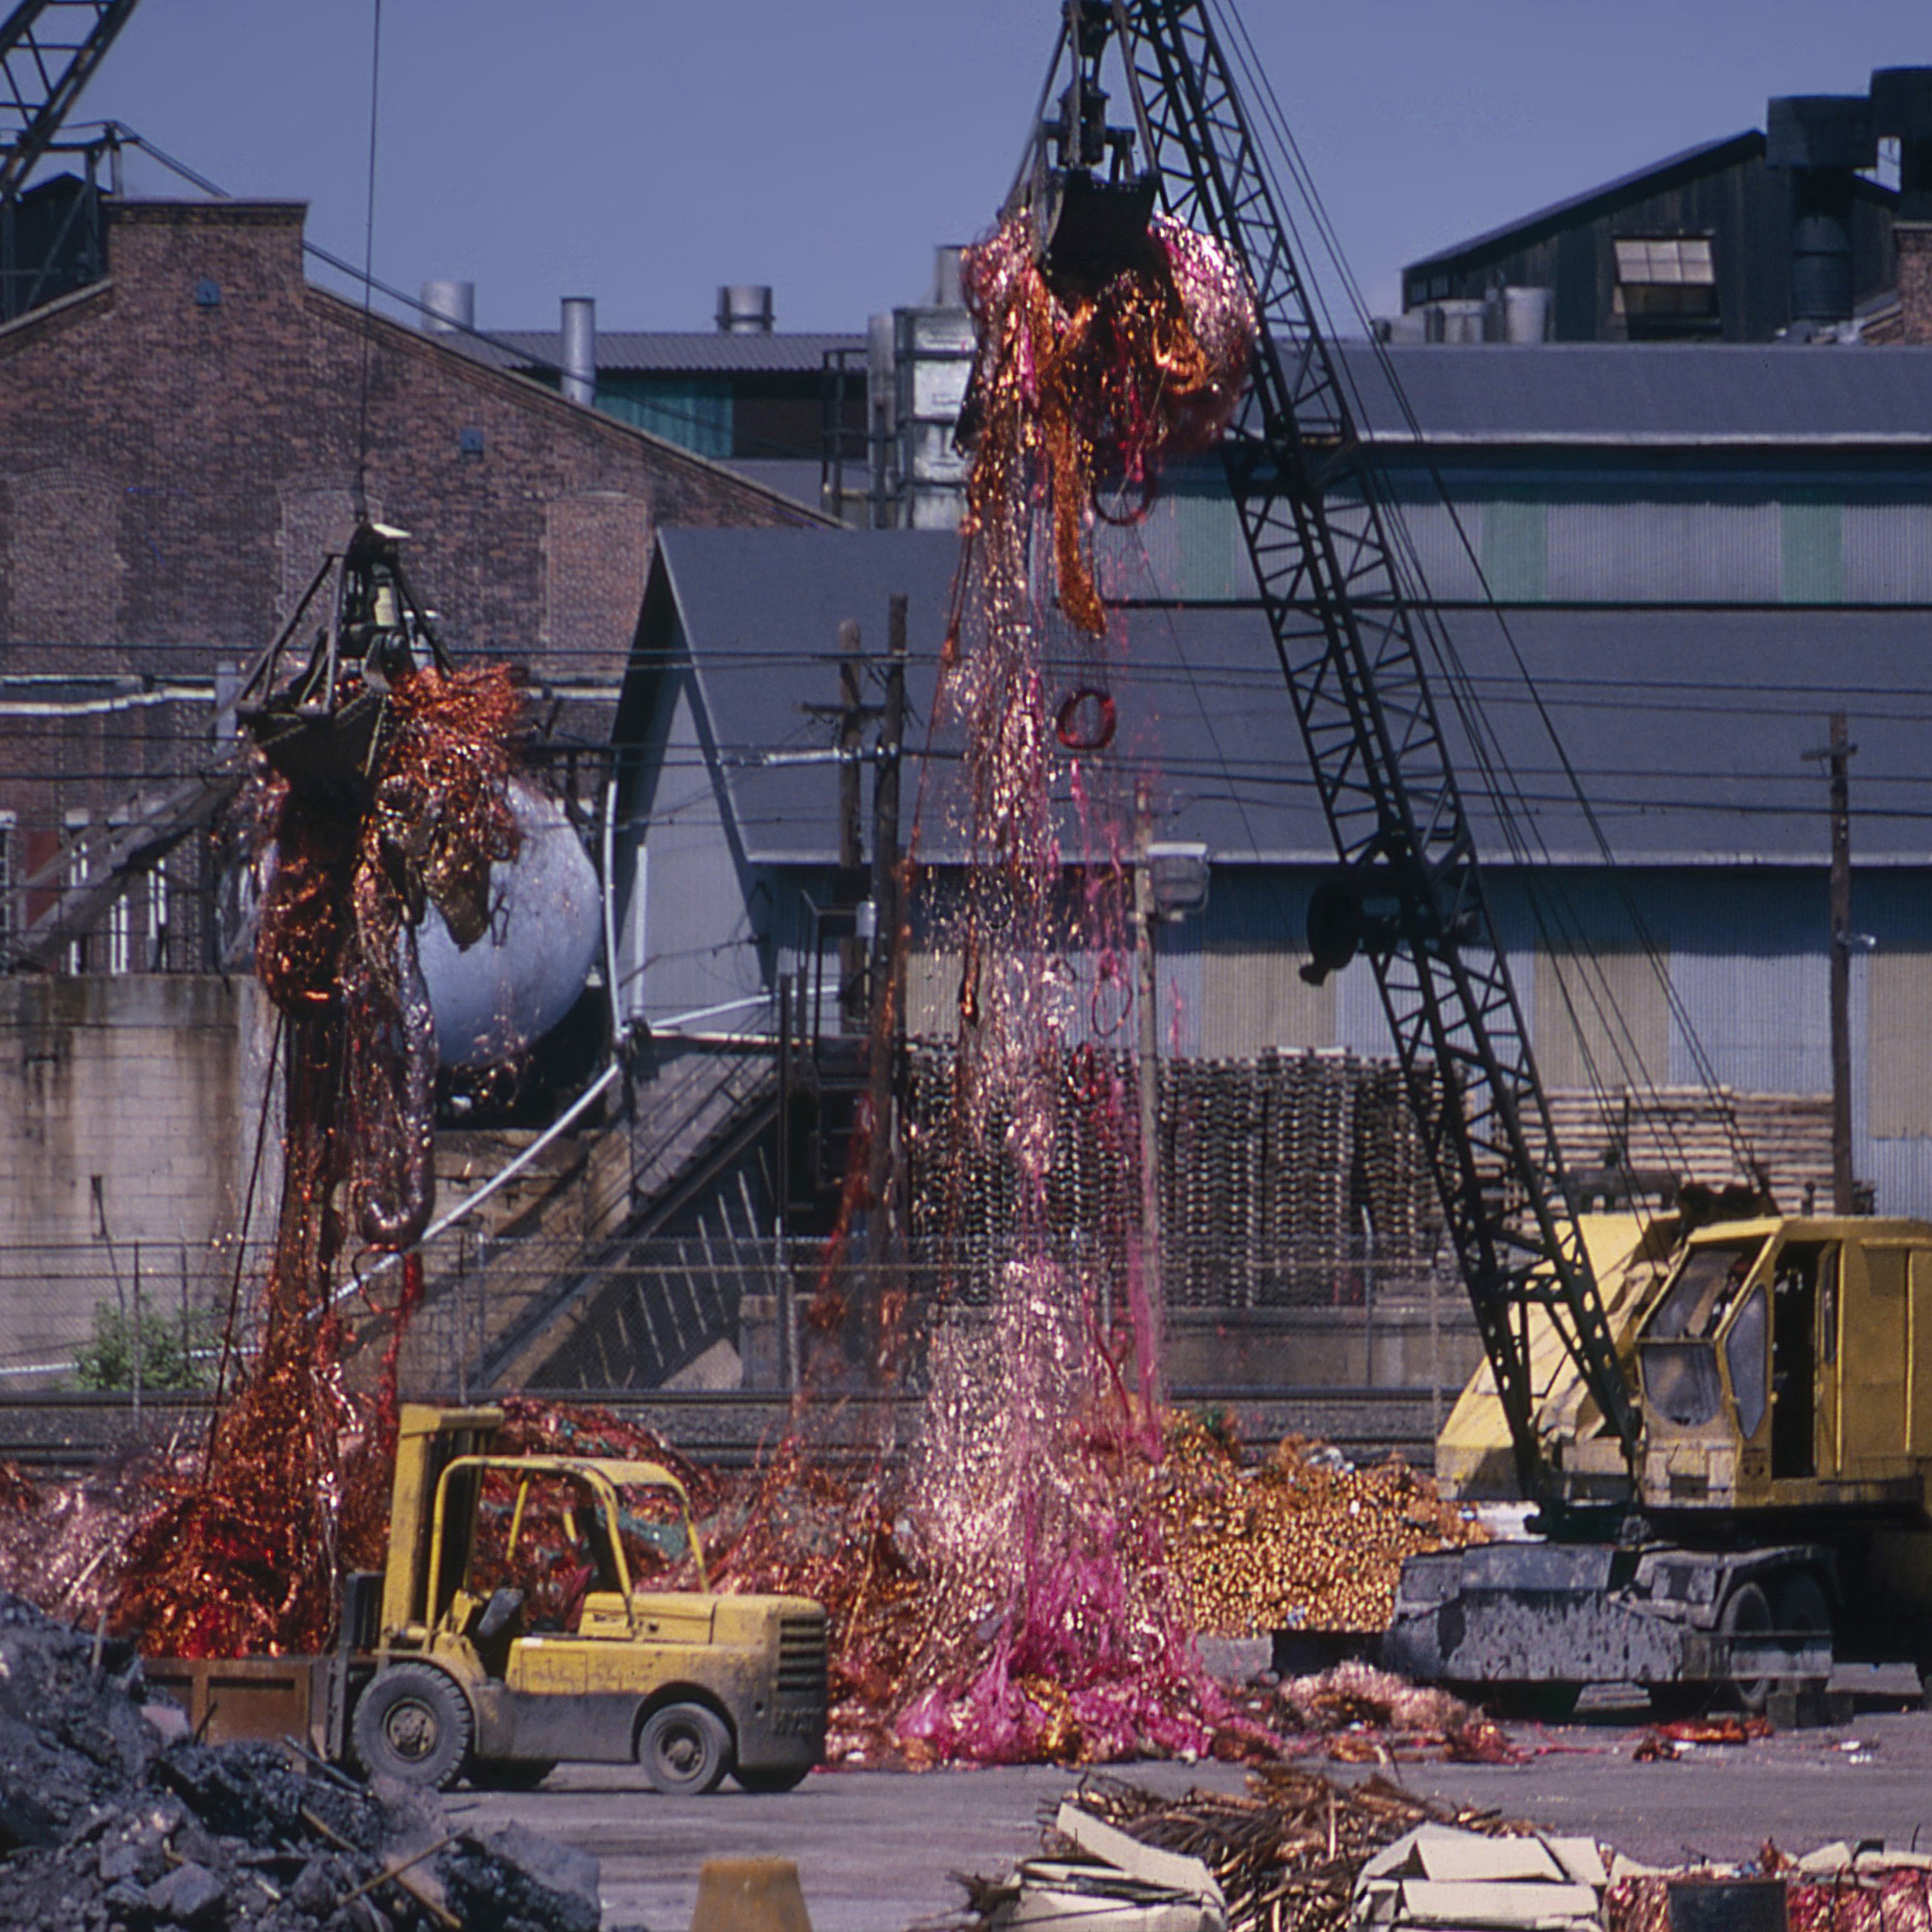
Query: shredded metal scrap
point(1303, 1540)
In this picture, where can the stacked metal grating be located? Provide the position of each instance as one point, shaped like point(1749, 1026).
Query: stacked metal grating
point(1704, 1135)
point(1283, 1180)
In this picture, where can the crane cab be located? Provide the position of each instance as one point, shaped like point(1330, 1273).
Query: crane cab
point(1787, 1363)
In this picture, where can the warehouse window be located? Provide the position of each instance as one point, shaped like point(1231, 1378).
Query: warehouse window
point(1666, 286)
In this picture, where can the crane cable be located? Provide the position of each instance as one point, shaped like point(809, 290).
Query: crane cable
point(1497, 780)
point(368, 271)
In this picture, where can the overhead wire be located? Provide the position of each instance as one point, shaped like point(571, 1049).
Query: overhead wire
point(1551, 909)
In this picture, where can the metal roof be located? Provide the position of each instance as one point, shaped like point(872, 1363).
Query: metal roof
point(1687, 728)
point(1590, 395)
point(694, 352)
point(1707, 157)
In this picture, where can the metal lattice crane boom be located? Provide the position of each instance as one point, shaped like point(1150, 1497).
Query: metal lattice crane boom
point(49, 48)
point(1411, 896)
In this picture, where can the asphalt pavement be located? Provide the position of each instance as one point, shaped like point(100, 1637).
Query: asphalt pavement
point(875, 1849)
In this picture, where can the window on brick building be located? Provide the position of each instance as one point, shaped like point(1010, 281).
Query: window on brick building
point(10, 923)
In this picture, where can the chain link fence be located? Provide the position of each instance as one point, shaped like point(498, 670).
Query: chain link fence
point(692, 1313)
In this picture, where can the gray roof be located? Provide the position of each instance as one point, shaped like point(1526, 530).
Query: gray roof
point(1621, 394)
point(1687, 728)
point(694, 352)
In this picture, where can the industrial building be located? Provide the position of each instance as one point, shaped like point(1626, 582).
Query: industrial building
point(1789, 231)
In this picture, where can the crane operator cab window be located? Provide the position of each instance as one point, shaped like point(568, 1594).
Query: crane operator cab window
point(1679, 1351)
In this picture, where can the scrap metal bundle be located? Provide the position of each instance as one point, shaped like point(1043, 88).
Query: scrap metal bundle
point(382, 789)
point(1304, 1540)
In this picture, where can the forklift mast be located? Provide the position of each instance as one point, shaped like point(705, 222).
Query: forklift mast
point(1408, 894)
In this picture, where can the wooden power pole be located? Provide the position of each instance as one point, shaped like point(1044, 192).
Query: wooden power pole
point(1836, 757)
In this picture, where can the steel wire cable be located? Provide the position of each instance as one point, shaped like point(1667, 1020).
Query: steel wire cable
point(1492, 767)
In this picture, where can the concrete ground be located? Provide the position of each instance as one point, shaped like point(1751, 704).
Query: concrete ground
point(874, 1849)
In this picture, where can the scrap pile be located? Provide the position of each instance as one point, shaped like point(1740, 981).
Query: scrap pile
point(1285, 1857)
point(1303, 1539)
point(104, 1823)
point(1355, 1713)
point(1834, 1888)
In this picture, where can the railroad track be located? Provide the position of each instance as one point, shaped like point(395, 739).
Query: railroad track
point(69, 1433)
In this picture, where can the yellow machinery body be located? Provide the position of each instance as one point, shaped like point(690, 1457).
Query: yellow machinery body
point(438, 1674)
point(1779, 1522)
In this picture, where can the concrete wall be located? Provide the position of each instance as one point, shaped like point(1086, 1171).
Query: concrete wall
point(151, 1085)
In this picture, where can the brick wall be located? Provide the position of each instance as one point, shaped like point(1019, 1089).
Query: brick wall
point(179, 445)
point(1913, 242)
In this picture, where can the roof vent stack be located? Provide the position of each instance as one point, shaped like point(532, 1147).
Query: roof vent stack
point(1901, 99)
point(1822, 140)
point(745, 308)
point(579, 350)
point(448, 306)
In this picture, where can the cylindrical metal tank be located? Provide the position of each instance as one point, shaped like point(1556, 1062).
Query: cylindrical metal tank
point(578, 350)
point(524, 974)
point(1821, 139)
point(1526, 313)
point(448, 306)
point(1459, 321)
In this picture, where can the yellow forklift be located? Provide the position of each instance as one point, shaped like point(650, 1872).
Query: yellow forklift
point(534, 1609)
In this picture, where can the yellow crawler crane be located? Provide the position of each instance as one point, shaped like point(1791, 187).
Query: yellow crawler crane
point(494, 1648)
point(1783, 1372)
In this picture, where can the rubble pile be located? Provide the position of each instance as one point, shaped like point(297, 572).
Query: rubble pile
point(1303, 1540)
point(1834, 1888)
point(1284, 1857)
point(110, 1817)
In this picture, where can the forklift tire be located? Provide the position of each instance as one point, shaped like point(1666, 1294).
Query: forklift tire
point(413, 1723)
point(684, 1750)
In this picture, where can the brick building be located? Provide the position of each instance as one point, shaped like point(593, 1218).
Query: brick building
point(179, 449)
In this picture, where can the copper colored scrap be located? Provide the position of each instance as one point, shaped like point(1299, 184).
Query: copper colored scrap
point(1297, 1542)
point(1098, 389)
point(241, 1557)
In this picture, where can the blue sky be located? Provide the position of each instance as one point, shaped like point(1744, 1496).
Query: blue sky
point(643, 153)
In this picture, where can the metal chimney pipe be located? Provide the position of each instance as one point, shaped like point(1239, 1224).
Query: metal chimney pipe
point(745, 308)
point(578, 353)
point(448, 306)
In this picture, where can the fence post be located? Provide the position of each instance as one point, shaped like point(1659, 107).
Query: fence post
point(137, 1330)
point(1435, 1354)
point(459, 1324)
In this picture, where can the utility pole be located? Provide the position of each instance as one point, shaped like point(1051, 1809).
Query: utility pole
point(1837, 757)
point(851, 727)
point(1146, 998)
point(888, 963)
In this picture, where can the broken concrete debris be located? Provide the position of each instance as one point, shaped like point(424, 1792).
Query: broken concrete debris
point(111, 1817)
point(1118, 1883)
point(1437, 1876)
